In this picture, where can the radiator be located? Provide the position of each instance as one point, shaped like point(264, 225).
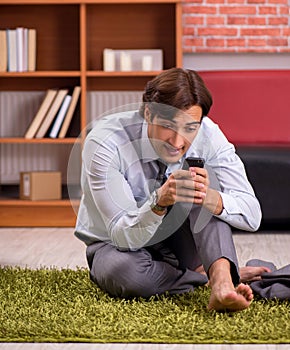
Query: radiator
point(100, 103)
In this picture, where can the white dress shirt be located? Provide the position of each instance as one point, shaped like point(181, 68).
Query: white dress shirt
point(119, 172)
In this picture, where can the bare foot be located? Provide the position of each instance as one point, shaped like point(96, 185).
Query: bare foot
point(225, 297)
point(252, 273)
point(201, 270)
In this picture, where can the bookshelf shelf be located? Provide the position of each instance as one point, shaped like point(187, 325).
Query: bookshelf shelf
point(40, 74)
point(61, 212)
point(122, 74)
point(57, 2)
point(26, 203)
point(67, 140)
point(71, 37)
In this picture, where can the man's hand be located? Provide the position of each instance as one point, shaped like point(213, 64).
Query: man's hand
point(184, 186)
point(190, 186)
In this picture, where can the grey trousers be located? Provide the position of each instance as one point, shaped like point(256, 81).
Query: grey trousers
point(165, 266)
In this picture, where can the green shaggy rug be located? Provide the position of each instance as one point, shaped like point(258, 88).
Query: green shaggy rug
point(51, 305)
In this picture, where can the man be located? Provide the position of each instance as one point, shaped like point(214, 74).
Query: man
point(149, 232)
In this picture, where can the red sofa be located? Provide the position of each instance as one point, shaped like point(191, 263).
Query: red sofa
point(252, 108)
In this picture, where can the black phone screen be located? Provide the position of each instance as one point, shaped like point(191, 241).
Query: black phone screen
point(193, 162)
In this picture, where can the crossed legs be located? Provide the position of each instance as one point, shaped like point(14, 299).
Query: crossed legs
point(140, 273)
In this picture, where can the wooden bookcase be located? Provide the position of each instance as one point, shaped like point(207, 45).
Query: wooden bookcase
point(71, 37)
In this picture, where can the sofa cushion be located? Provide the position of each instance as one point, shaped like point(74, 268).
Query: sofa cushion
point(268, 169)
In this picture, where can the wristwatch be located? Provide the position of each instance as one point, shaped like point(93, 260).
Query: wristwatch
point(154, 205)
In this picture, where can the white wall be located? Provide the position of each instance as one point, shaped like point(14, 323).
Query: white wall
point(236, 61)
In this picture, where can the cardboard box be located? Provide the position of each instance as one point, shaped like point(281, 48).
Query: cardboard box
point(40, 185)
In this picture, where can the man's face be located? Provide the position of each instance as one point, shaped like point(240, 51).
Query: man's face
point(172, 138)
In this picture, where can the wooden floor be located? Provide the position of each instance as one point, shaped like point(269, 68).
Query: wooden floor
point(57, 247)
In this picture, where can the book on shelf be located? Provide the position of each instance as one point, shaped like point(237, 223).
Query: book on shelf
point(41, 113)
point(11, 50)
point(18, 50)
point(31, 50)
point(60, 117)
point(3, 51)
point(25, 50)
point(51, 114)
point(70, 112)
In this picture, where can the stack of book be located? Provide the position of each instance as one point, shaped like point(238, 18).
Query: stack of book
point(54, 114)
point(18, 50)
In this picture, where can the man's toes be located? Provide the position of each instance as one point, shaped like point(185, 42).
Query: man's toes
point(245, 290)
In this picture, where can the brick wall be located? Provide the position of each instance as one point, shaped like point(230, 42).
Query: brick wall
point(236, 26)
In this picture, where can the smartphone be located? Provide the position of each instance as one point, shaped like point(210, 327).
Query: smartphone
point(193, 162)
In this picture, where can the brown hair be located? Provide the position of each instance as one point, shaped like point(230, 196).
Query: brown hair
point(179, 88)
